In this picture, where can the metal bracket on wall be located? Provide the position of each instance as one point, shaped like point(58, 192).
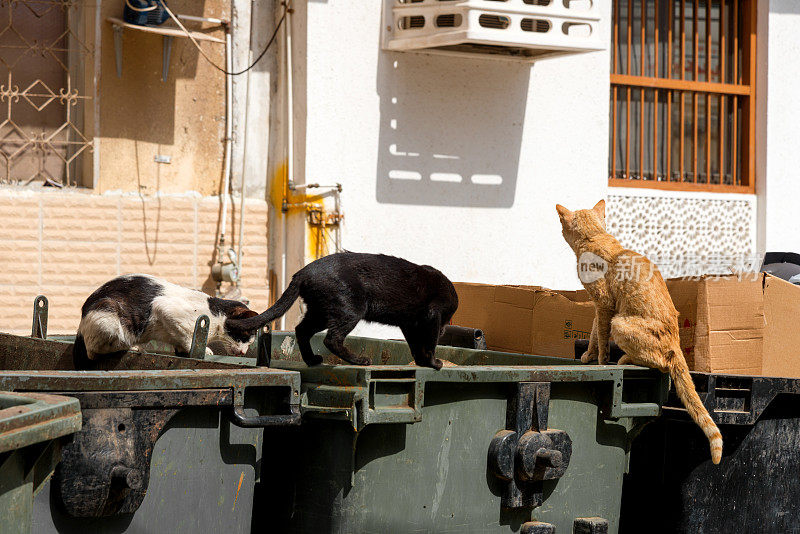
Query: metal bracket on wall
point(527, 453)
point(167, 34)
point(118, 48)
point(40, 307)
point(165, 53)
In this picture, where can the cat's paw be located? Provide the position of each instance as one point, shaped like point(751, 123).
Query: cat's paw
point(588, 357)
point(360, 360)
point(312, 360)
point(444, 363)
point(209, 352)
point(625, 360)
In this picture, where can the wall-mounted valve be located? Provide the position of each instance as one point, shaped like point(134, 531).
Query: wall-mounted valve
point(226, 272)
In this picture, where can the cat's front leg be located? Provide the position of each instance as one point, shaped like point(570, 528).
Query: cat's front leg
point(422, 340)
point(603, 333)
point(591, 353)
point(182, 346)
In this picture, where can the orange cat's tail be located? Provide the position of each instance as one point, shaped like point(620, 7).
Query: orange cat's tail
point(684, 387)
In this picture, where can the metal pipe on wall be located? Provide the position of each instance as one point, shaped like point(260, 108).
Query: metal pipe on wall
point(244, 162)
point(338, 207)
point(228, 143)
point(289, 149)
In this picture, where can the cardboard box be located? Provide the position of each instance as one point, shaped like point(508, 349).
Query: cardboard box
point(782, 335)
point(721, 323)
point(744, 326)
point(526, 319)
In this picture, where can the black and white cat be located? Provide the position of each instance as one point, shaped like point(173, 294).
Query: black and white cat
point(136, 308)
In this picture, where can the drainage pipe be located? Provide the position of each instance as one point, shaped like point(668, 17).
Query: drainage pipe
point(228, 141)
point(244, 165)
point(289, 150)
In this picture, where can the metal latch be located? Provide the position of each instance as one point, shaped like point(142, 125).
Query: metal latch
point(527, 453)
point(40, 307)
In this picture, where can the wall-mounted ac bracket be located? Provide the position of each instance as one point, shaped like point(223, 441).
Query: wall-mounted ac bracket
point(502, 29)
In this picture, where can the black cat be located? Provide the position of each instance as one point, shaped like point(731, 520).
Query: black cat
point(341, 289)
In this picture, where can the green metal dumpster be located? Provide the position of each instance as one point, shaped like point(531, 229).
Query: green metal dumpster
point(490, 445)
point(167, 444)
point(30, 427)
point(672, 486)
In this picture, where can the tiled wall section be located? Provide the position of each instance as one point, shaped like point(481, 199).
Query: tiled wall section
point(64, 244)
point(687, 234)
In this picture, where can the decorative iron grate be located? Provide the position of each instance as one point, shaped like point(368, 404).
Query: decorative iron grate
point(43, 62)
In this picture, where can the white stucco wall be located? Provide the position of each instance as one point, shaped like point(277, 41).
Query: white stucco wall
point(780, 192)
point(406, 133)
point(538, 130)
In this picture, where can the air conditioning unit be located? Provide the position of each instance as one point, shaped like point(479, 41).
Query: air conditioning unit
point(521, 29)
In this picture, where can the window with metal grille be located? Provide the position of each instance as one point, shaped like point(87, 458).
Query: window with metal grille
point(683, 95)
point(45, 75)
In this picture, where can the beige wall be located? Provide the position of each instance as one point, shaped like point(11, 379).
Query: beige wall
point(141, 216)
point(65, 244)
point(140, 116)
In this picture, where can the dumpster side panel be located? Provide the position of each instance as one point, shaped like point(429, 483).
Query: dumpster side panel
point(592, 485)
point(15, 494)
point(202, 475)
point(432, 476)
point(674, 487)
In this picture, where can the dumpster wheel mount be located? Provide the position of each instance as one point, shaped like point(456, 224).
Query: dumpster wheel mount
point(527, 453)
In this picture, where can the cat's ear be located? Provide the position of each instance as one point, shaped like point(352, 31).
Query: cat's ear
point(563, 212)
point(241, 312)
point(600, 209)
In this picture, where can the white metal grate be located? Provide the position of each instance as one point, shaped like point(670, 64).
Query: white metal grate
point(43, 53)
point(523, 29)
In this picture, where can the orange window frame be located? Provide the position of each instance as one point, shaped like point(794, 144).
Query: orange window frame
point(693, 124)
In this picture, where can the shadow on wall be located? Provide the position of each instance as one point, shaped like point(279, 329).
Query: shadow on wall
point(784, 6)
point(451, 129)
point(139, 105)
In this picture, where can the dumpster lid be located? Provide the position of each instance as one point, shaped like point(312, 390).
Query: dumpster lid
point(30, 418)
point(33, 364)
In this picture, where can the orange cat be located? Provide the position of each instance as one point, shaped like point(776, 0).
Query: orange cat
point(632, 304)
